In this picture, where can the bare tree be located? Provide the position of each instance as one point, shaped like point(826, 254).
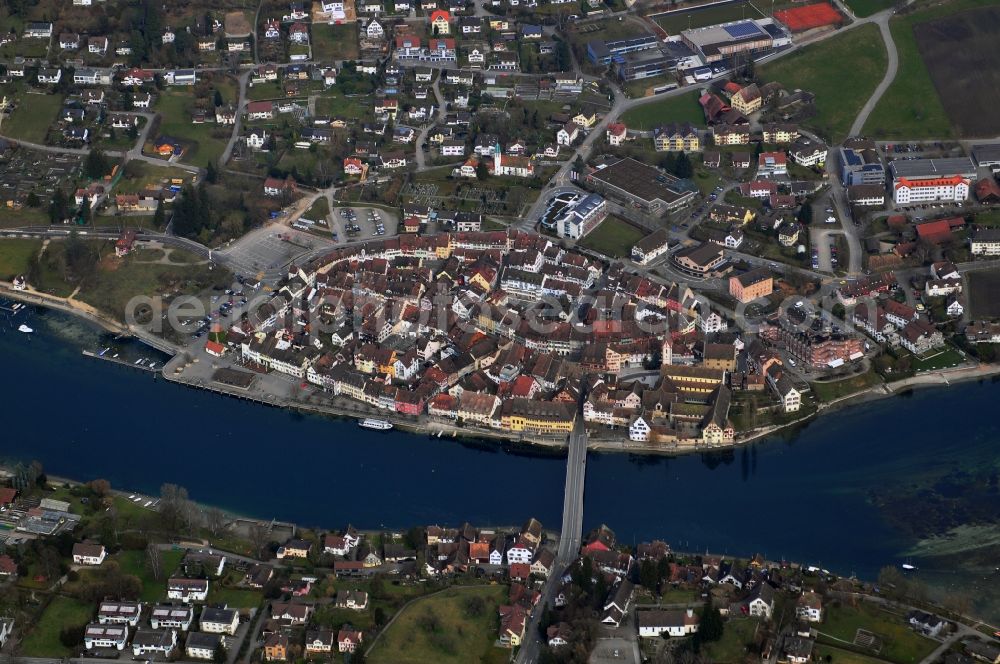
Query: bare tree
point(155, 562)
point(215, 521)
point(258, 538)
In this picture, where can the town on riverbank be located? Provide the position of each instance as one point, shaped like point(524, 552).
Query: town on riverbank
point(676, 287)
point(93, 572)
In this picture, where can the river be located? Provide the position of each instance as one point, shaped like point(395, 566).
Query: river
point(912, 479)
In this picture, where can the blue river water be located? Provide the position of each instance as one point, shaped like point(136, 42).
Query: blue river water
point(816, 496)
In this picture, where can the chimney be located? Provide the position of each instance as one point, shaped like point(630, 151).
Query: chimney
point(690, 613)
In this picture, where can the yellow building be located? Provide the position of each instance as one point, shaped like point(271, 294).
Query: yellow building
point(676, 138)
point(539, 417)
point(780, 133)
point(701, 380)
point(586, 119)
point(747, 100)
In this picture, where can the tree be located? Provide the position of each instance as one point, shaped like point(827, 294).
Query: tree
point(710, 626)
point(154, 559)
point(669, 162)
point(100, 488)
point(58, 207)
point(482, 171)
point(258, 537)
point(218, 99)
point(211, 172)
point(219, 657)
point(95, 165)
point(175, 509)
point(215, 521)
point(648, 577)
point(805, 215)
point(33, 200)
point(682, 168)
point(158, 216)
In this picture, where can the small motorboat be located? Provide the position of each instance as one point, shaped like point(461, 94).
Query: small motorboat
point(24, 328)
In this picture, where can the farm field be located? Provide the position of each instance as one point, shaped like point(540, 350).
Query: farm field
point(898, 642)
point(983, 286)
point(911, 107)
point(679, 108)
point(964, 64)
point(858, 56)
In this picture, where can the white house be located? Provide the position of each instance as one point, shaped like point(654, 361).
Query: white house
point(119, 613)
point(567, 134)
point(810, 607)
point(519, 553)
point(187, 590)
point(680, 622)
point(154, 642)
point(200, 645)
point(96, 635)
point(168, 616)
point(219, 621)
point(88, 554)
point(638, 430)
point(760, 603)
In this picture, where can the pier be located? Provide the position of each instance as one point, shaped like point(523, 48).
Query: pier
point(125, 363)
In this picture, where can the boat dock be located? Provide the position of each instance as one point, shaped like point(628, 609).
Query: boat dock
point(145, 366)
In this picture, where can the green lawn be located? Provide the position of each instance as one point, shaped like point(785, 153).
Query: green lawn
point(33, 117)
point(675, 22)
point(679, 108)
point(821, 652)
point(911, 108)
point(15, 255)
point(269, 90)
point(43, 639)
point(234, 598)
point(203, 142)
point(942, 358)
point(863, 8)
point(732, 647)
point(137, 563)
point(319, 211)
point(440, 629)
point(900, 643)
point(615, 237)
point(334, 42)
point(858, 56)
point(140, 174)
point(339, 106)
point(828, 391)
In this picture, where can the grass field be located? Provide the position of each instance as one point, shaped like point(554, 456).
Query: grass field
point(454, 635)
point(236, 598)
point(911, 107)
point(116, 282)
point(339, 106)
point(732, 647)
point(828, 391)
point(33, 117)
point(43, 639)
point(900, 643)
point(679, 108)
point(863, 8)
point(137, 563)
point(334, 42)
point(858, 56)
point(615, 237)
point(943, 358)
point(15, 255)
point(674, 22)
point(203, 142)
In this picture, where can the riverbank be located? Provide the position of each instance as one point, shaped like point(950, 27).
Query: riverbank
point(598, 441)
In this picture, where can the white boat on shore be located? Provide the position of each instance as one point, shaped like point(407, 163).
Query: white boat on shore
point(377, 425)
point(907, 566)
point(24, 328)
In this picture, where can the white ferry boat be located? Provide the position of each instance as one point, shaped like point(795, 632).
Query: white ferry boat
point(378, 425)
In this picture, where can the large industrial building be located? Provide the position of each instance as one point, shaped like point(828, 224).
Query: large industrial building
point(929, 180)
point(643, 187)
point(717, 42)
point(667, 58)
point(603, 52)
point(581, 216)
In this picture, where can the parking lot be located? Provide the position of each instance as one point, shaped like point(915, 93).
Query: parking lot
point(268, 249)
point(352, 224)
